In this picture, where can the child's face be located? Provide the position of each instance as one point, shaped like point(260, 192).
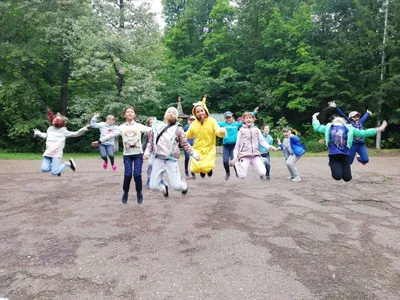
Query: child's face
point(151, 121)
point(266, 130)
point(200, 113)
point(130, 115)
point(229, 119)
point(171, 115)
point(356, 118)
point(58, 122)
point(286, 134)
point(248, 120)
point(110, 120)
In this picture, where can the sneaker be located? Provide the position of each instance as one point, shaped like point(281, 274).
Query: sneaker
point(184, 192)
point(124, 198)
point(296, 179)
point(165, 193)
point(114, 167)
point(72, 164)
point(267, 178)
point(210, 173)
point(227, 175)
point(289, 178)
point(59, 175)
point(105, 165)
point(187, 174)
point(193, 176)
point(361, 162)
point(202, 175)
point(139, 197)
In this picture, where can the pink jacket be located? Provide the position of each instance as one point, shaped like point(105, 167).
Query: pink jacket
point(247, 142)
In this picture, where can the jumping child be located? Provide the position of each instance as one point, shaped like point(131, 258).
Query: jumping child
point(149, 123)
point(131, 133)
point(55, 137)
point(247, 151)
point(295, 149)
point(358, 146)
point(265, 151)
point(205, 129)
point(339, 139)
point(164, 141)
point(106, 148)
point(191, 142)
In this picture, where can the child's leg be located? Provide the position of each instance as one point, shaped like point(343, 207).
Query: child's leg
point(335, 163)
point(258, 164)
point(346, 168)
point(46, 164)
point(110, 153)
point(290, 163)
point(362, 150)
point(242, 166)
point(157, 171)
point(187, 157)
point(353, 151)
point(103, 152)
point(128, 160)
point(174, 176)
point(137, 172)
point(267, 164)
point(56, 166)
point(226, 153)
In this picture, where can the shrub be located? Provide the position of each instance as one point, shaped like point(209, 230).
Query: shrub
point(315, 146)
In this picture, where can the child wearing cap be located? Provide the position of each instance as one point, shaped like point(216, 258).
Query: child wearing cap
point(358, 145)
point(229, 140)
point(190, 141)
point(339, 139)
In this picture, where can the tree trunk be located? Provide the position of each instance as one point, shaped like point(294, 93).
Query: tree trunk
point(64, 87)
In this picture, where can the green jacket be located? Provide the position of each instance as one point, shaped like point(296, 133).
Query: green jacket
point(351, 132)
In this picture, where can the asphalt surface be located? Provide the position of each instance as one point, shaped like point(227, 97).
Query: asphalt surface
point(70, 237)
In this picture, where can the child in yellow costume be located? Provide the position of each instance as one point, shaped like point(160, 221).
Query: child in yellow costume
point(205, 129)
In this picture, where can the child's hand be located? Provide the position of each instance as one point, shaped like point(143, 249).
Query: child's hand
point(382, 127)
point(36, 132)
point(256, 109)
point(370, 113)
point(96, 115)
point(196, 156)
point(223, 131)
point(86, 127)
point(146, 155)
point(279, 140)
point(314, 116)
point(95, 144)
point(332, 104)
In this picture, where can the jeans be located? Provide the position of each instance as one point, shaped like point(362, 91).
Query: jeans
point(267, 163)
point(53, 165)
point(227, 154)
point(361, 149)
point(107, 150)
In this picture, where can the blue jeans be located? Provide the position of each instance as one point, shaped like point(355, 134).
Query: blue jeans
point(361, 149)
point(267, 163)
point(227, 154)
point(53, 165)
point(137, 162)
point(107, 150)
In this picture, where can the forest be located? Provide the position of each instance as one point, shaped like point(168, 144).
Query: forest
point(289, 57)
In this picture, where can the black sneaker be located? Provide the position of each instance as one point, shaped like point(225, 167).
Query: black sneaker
point(210, 173)
point(124, 198)
point(166, 194)
point(139, 198)
point(267, 177)
point(187, 174)
point(72, 164)
point(184, 192)
point(202, 175)
point(59, 175)
point(227, 175)
point(193, 176)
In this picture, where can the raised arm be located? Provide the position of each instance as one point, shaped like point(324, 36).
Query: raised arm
point(37, 132)
point(316, 125)
point(365, 117)
point(93, 121)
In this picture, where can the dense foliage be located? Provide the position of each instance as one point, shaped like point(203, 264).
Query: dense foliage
point(290, 57)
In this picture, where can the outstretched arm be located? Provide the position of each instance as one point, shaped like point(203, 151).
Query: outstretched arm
point(316, 125)
point(37, 132)
point(365, 117)
point(371, 131)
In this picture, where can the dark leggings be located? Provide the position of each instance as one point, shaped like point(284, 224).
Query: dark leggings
point(137, 162)
point(340, 166)
point(227, 154)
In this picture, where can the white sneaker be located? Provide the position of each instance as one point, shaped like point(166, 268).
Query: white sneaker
point(289, 178)
point(296, 179)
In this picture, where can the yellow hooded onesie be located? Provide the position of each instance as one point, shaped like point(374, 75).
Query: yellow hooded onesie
point(204, 140)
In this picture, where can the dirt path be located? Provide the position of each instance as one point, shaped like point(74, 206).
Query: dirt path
point(69, 237)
